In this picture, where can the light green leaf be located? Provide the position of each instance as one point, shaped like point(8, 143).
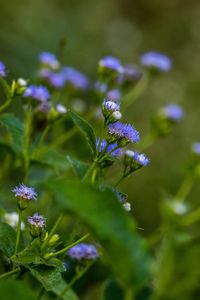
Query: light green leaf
point(16, 129)
point(86, 129)
point(117, 232)
point(52, 281)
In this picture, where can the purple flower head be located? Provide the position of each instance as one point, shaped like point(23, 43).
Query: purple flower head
point(83, 251)
point(2, 69)
point(39, 93)
point(130, 74)
point(75, 78)
point(156, 60)
point(111, 63)
point(100, 87)
point(49, 60)
point(108, 147)
point(110, 105)
point(37, 220)
point(173, 112)
point(196, 148)
point(114, 95)
point(140, 159)
point(25, 192)
point(123, 133)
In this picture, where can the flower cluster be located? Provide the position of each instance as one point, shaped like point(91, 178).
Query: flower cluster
point(83, 251)
point(37, 224)
point(157, 61)
point(24, 195)
point(2, 69)
point(134, 160)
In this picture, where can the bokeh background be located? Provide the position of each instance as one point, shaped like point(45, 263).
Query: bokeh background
point(123, 28)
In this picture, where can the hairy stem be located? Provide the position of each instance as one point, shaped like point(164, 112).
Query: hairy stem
point(18, 231)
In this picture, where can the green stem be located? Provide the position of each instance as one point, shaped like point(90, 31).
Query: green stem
point(18, 230)
point(74, 279)
point(119, 181)
point(70, 246)
point(136, 92)
point(89, 171)
point(9, 273)
point(94, 173)
point(27, 142)
point(3, 106)
point(184, 189)
point(43, 135)
point(52, 231)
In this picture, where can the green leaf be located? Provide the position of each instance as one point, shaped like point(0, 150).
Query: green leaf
point(6, 87)
point(18, 290)
point(7, 239)
point(79, 167)
point(51, 158)
point(117, 232)
point(86, 129)
point(16, 129)
point(52, 281)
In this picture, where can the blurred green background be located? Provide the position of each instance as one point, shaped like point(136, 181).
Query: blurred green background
point(125, 29)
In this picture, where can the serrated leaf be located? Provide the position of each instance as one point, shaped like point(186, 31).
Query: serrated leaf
point(86, 129)
point(79, 167)
point(16, 129)
point(51, 158)
point(52, 281)
point(117, 232)
point(7, 239)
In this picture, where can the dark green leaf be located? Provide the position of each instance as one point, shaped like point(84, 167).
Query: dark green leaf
point(86, 129)
point(16, 130)
point(7, 239)
point(79, 167)
point(102, 212)
point(52, 281)
point(17, 290)
point(51, 158)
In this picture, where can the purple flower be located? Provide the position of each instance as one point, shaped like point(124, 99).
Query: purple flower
point(173, 112)
point(75, 78)
point(2, 69)
point(110, 106)
point(114, 95)
point(196, 148)
point(25, 192)
point(37, 220)
point(140, 159)
point(39, 93)
point(49, 60)
point(156, 60)
point(111, 63)
point(130, 74)
point(108, 148)
point(83, 251)
point(123, 133)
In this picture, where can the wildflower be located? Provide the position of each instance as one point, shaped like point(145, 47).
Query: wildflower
point(49, 60)
point(156, 61)
point(111, 111)
point(83, 251)
point(196, 148)
point(37, 224)
point(2, 69)
point(24, 195)
point(173, 112)
point(114, 95)
point(108, 148)
point(39, 93)
point(134, 161)
point(123, 134)
point(130, 75)
point(109, 67)
point(127, 206)
point(75, 78)
point(12, 220)
point(21, 82)
point(61, 109)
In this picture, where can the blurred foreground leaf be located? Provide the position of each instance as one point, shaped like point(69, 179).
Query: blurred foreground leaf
point(17, 290)
point(102, 212)
point(79, 167)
